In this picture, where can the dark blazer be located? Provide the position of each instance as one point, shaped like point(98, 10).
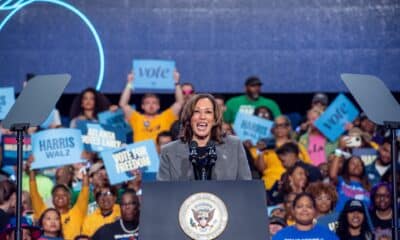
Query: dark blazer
point(231, 162)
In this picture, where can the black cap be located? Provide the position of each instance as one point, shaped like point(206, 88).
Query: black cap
point(353, 205)
point(277, 220)
point(253, 80)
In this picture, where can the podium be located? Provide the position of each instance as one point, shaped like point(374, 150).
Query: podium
point(170, 210)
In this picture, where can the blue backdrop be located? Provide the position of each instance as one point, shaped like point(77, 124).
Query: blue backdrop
point(294, 46)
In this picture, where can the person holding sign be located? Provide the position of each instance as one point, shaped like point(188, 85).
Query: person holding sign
point(203, 151)
point(87, 105)
point(248, 102)
point(267, 161)
point(149, 124)
point(71, 218)
point(317, 145)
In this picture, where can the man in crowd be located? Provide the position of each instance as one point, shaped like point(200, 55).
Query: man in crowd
point(128, 226)
point(162, 139)
point(380, 166)
point(288, 153)
point(248, 102)
point(149, 124)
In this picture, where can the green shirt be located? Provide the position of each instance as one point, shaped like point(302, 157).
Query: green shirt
point(244, 104)
point(45, 186)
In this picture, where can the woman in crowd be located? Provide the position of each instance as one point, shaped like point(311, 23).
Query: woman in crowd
point(295, 179)
point(352, 182)
point(325, 198)
point(50, 224)
point(353, 222)
point(304, 212)
point(317, 145)
point(201, 132)
point(267, 161)
point(87, 105)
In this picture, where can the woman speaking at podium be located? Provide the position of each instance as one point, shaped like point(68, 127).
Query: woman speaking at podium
point(203, 151)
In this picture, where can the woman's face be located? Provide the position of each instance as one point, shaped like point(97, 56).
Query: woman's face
point(299, 178)
point(51, 222)
point(61, 198)
point(323, 203)
point(304, 211)
point(202, 119)
point(281, 128)
point(88, 101)
point(355, 219)
point(355, 167)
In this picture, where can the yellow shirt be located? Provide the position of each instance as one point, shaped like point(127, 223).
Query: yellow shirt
point(95, 220)
point(72, 220)
point(148, 128)
point(273, 166)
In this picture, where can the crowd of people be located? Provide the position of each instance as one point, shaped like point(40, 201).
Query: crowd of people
point(315, 188)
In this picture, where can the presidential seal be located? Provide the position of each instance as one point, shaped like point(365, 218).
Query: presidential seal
point(203, 216)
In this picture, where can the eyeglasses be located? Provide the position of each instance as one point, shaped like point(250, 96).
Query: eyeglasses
point(104, 194)
point(122, 204)
point(282, 125)
point(378, 196)
point(187, 92)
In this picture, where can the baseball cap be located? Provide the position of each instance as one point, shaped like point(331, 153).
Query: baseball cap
point(353, 205)
point(253, 80)
point(277, 220)
point(321, 98)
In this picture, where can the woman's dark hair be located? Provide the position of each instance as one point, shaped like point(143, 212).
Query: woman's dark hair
point(286, 187)
point(303, 194)
point(101, 103)
point(258, 109)
point(346, 175)
point(342, 230)
point(40, 222)
point(375, 189)
point(187, 113)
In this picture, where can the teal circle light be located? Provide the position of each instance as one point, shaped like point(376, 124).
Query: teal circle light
point(18, 5)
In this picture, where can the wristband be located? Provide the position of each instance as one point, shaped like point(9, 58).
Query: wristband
point(129, 86)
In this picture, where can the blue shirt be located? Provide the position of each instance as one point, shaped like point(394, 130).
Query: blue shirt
point(351, 190)
point(316, 233)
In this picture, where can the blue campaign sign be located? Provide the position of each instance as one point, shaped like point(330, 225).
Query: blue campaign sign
point(56, 147)
point(154, 74)
point(9, 149)
point(250, 127)
point(114, 119)
point(120, 162)
point(98, 137)
point(7, 99)
point(333, 121)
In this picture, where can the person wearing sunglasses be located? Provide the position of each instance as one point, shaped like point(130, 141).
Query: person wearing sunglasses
point(108, 211)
